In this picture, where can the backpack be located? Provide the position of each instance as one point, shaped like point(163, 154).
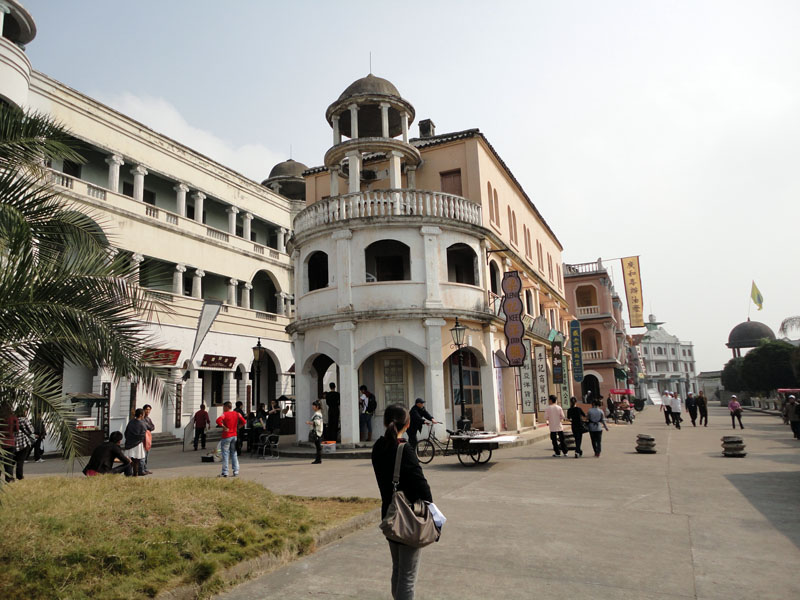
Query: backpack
point(372, 404)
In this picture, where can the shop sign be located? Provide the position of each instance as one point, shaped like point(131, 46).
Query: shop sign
point(215, 361)
point(540, 372)
point(565, 389)
point(538, 326)
point(163, 358)
point(633, 290)
point(576, 345)
point(513, 309)
point(558, 363)
point(527, 382)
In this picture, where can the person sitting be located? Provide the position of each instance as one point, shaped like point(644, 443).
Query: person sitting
point(102, 459)
point(625, 407)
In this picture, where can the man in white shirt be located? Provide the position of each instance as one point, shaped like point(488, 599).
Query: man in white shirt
point(555, 414)
point(677, 407)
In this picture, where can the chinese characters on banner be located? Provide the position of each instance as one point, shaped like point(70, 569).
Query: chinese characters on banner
point(577, 353)
point(540, 369)
point(633, 290)
point(558, 363)
point(526, 383)
point(513, 309)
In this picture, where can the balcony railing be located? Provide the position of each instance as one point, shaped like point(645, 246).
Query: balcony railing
point(584, 311)
point(380, 203)
point(592, 354)
point(583, 268)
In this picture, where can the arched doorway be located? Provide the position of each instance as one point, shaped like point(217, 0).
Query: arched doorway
point(473, 397)
point(590, 383)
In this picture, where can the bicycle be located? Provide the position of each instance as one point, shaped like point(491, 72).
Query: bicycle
point(426, 449)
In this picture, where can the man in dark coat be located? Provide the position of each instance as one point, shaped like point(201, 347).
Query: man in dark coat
point(418, 415)
point(691, 406)
point(333, 400)
point(102, 459)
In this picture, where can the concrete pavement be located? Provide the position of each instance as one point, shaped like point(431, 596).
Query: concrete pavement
point(683, 523)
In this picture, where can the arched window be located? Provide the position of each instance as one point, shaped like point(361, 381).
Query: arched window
point(387, 260)
point(591, 340)
point(494, 278)
point(514, 235)
point(659, 351)
point(263, 293)
point(490, 201)
point(462, 264)
point(317, 271)
point(510, 231)
point(585, 295)
point(496, 208)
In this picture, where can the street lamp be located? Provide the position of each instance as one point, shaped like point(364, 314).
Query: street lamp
point(458, 341)
point(258, 353)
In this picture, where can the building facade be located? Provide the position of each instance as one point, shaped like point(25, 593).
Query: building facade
point(197, 231)
point(669, 362)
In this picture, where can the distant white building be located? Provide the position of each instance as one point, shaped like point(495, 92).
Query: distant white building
point(669, 363)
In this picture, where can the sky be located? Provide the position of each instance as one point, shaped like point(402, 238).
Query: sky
point(668, 130)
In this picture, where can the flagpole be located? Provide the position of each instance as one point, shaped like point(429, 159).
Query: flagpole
point(750, 301)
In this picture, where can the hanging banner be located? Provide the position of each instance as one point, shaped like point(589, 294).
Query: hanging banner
point(540, 369)
point(209, 312)
point(565, 388)
point(558, 363)
point(527, 383)
point(513, 309)
point(633, 290)
point(576, 346)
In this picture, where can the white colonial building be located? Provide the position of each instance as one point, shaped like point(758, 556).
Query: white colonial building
point(669, 363)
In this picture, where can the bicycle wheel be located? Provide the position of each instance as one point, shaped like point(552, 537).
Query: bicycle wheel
point(425, 451)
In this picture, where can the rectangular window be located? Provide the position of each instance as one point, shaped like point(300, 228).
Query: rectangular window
point(540, 255)
point(550, 266)
point(394, 381)
point(451, 182)
point(558, 272)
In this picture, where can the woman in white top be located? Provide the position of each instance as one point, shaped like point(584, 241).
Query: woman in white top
point(315, 435)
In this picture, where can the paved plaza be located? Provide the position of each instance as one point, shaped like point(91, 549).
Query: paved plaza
point(683, 523)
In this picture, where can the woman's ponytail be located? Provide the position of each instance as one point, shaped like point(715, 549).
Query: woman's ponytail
point(395, 418)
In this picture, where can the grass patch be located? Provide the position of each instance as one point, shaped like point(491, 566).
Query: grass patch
point(121, 538)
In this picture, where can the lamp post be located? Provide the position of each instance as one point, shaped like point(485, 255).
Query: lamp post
point(458, 341)
point(258, 354)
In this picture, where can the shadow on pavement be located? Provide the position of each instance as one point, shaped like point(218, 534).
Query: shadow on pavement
point(775, 496)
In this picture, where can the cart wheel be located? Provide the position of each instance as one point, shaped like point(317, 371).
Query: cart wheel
point(464, 456)
point(484, 456)
point(425, 451)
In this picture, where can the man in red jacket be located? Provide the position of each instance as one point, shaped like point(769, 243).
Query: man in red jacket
point(230, 421)
point(201, 422)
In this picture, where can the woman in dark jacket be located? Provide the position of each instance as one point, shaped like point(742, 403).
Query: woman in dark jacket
point(405, 559)
point(134, 441)
point(576, 418)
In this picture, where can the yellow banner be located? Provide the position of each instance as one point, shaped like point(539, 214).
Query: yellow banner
point(633, 290)
point(758, 299)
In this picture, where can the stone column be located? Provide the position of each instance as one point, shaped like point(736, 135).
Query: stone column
point(177, 279)
point(344, 294)
point(483, 280)
point(432, 294)
point(434, 379)
point(348, 383)
point(384, 119)
point(404, 123)
point(337, 135)
point(114, 163)
point(180, 198)
point(197, 283)
point(246, 295)
point(395, 171)
point(491, 420)
point(354, 164)
point(353, 121)
point(137, 261)
point(247, 219)
point(229, 388)
point(282, 239)
point(4, 10)
point(411, 176)
point(233, 284)
point(199, 197)
point(192, 393)
point(334, 182)
point(279, 308)
point(302, 383)
point(138, 173)
point(232, 212)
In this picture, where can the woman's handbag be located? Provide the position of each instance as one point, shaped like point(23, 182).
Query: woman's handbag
point(407, 523)
point(312, 436)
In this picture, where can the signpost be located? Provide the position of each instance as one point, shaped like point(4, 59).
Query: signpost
point(541, 376)
point(558, 363)
point(577, 353)
point(527, 383)
point(513, 309)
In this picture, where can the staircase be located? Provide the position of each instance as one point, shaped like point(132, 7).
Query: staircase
point(653, 396)
point(162, 439)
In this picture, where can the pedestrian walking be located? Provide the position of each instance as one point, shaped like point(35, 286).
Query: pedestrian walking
point(151, 427)
point(736, 412)
point(677, 408)
point(366, 408)
point(666, 399)
point(315, 435)
point(555, 414)
point(417, 415)
point(230, 421)
point(405, 559)
point(40, 432)
point(333, 400)
point(576, 417)
point(23, 443)
point(702, 407)
point(691, 408)
point(135, 432)
point(793, 414)
point(596, 420)
point(202, 422)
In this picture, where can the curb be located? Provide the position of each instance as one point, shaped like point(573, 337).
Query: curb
point(266, 563)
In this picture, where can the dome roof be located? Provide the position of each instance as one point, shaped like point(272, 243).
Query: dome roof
point(290, 168)
point(749, 334)
point(369, 85)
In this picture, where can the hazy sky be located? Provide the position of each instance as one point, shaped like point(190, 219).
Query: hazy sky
point(670, 130)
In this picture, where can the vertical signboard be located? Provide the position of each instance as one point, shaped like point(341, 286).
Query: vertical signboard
point(558, 363)
point(633, 290)
point(565, 387)
point(513, 309)
point(178, 404)
point(540, 370)
point(577, 350)
point(527, 382)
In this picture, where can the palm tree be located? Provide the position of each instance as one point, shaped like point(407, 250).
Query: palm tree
point(788, 324)
point(65, 294)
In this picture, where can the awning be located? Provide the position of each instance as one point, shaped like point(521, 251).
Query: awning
point(620, 374)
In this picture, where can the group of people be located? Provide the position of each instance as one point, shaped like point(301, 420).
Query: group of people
point(132, 456)
point(18, 438)
point(672, 405)
point(592, 423)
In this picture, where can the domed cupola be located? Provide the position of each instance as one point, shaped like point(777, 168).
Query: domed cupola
point(371, 113)
point(748, 335)
point(286, 179)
